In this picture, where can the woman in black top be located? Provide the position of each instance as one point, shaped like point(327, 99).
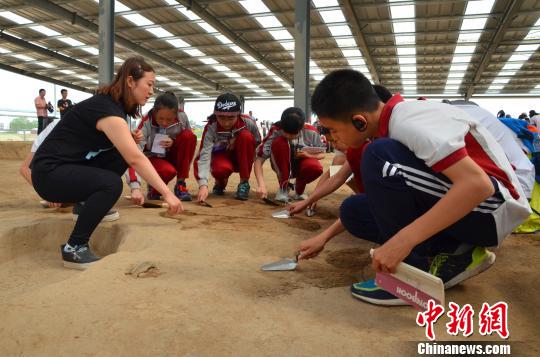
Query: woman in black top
point(84, 157)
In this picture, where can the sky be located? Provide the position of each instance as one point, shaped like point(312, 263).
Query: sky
point(18, 93)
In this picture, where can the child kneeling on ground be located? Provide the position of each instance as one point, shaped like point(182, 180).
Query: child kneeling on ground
point(177, 143)
point(438, 187)
point(283, 145)
point(227, 145)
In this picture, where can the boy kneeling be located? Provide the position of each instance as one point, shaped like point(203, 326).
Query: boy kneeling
point(438, 187)
point(227, 145)
point(287, 145)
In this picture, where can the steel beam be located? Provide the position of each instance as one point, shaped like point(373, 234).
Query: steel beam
point(47, 53)
point(23, 72)
point(243, 44)
point(360, 39)
point(75, 19)
point(301, 56)
point(106, 42)
point(508, 16)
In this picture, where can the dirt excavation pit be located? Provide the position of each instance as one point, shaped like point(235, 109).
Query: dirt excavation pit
point(30, 256)
point(44, 238)
point(301, 223)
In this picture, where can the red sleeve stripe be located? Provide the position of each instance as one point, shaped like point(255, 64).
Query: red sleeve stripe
point(132, 175)
point(450, 160)
point(310, 127)
point(141, 124)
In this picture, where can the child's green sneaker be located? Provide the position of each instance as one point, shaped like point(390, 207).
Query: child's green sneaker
point(455, 268)
point(242, 192)
point(369, 291)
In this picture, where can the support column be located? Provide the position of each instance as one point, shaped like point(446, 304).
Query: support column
point(301, 56)
point(106, 42)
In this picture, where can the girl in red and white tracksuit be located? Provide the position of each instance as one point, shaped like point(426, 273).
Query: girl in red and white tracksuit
point(178, 140)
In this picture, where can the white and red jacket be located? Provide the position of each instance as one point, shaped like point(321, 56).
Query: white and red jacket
point(150, 128)
point(215, 138)
point(309, 136)
point(441, 135)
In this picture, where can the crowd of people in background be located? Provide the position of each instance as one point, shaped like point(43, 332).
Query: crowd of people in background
point(533, 117)
point(44, 108)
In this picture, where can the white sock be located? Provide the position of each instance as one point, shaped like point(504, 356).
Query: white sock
point(68, 248)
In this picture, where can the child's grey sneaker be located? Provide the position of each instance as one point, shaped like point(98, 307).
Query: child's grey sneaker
point(301, 197)
point(79, 257)
point(282, 195)
point(455, 268)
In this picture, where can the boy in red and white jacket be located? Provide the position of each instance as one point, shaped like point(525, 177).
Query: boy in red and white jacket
point(228, 145)
point(439, 189)
point(285, 145)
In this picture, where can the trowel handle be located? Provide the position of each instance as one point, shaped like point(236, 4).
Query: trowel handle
point(296, 255)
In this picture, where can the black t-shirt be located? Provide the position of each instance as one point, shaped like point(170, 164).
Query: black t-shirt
point(66, 104)
point(75, 138)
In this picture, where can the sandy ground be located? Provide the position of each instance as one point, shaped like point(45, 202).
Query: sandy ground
point(206, 296)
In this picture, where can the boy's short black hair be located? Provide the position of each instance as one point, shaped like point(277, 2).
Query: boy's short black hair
point(342, 93)
point(292, 120)
point(382, 92)
point(63, 90)
point(41, 90)
point(166, 100)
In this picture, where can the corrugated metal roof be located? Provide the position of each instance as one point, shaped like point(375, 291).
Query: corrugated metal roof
point(425, 47)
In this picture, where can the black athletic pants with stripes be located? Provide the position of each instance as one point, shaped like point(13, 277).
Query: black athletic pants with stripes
point(399, 188)
point(97, 182)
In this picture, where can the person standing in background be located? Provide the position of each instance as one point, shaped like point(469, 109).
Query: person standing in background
point(41, 110)
point(64, 104)
point(534, 118)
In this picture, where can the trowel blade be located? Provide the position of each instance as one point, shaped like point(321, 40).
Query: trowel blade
point(282, 265)
point(281, 214)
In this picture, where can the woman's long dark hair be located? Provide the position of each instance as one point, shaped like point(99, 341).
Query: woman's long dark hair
point(119, 90)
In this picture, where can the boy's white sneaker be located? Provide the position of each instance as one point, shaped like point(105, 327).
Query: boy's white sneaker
point(282, 195)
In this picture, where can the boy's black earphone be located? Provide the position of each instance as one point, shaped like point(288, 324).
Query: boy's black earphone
point(360, 125)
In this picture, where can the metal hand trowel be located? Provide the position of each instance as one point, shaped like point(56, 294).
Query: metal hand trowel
point(281, 214)
point(282, 265)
